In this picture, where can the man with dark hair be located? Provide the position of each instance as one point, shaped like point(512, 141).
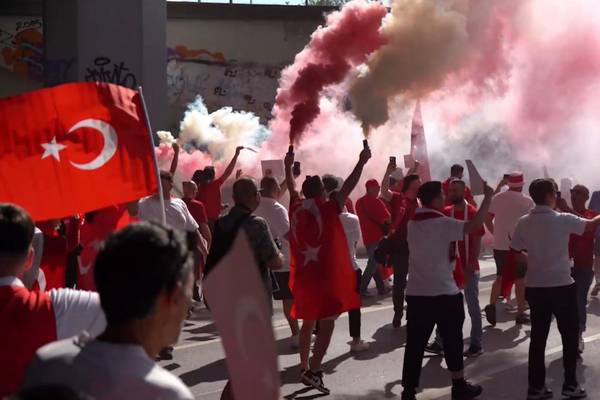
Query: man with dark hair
point(209, 188)
point(584, 252)
point(277, 218)
point(30, 319)
point(324, 281)
point(457, 172)
point(550, 290)
point(432, 296)
point(403, 207)
point(145, 296)
point(506, 209)
point(375, 221)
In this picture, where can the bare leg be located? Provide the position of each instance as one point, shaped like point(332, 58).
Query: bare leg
point(322, 343)
point(305, 336)
point(292, 322)
point(496, 290)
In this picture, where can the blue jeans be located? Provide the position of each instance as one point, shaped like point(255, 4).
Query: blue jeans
point(371, 272)
point(472, 300)
point(583, 280)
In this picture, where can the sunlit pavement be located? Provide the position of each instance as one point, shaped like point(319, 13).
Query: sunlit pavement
point(376, 373)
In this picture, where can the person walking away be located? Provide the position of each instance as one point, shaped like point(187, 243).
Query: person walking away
point(544, 235)
point(506, 209)
point(432, 296)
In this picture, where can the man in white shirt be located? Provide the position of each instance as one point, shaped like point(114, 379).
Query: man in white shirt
point(550, 290)
point(145, 296)
point(432, 296)
point(278, 220)
point(506, 209)
point(351, 226)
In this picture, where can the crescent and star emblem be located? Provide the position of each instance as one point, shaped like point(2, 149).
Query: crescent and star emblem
point(310, 253)
point(109, 135)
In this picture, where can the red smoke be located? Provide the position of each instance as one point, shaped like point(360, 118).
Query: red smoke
point(349, 36)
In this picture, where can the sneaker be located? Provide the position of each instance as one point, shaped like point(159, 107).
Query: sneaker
point(473, 352)
point(463, 390)
point(522, 319)
point(165, 354)
point(295, 342)
point(596, 290)
point(573, 392)
point(357, 347)
point(397, 321)
point(539, 394)
point(490, 314)
point(435, 348)
point(409, 394)
point(315, 380)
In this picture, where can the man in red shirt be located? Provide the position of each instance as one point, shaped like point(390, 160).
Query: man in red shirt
point(457, 172)
point(197, 209)
point(403, 207)
point(374, 221)
point(581, 250)
point(209, 188)
point(468, 257)
point(31, 319)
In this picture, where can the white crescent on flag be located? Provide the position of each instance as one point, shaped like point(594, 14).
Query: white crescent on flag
point(110, 142)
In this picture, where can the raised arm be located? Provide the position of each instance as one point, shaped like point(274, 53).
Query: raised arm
point(175, 158)
point(385, 182)
point(288, 161)
point(352, 180)
point(483, 211)
point(489, 222)
point(229, 170)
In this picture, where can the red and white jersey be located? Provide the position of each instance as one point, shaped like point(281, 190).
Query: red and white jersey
point(31, 319)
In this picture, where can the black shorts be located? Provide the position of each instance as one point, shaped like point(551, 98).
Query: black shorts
point(283, 282)
point(500, 256)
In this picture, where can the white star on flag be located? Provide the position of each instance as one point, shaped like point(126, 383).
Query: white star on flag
point(52, 149)
point(311, 254)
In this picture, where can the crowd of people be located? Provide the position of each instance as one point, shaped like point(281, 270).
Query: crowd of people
point(139, 276)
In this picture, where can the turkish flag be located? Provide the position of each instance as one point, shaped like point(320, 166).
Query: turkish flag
point(241, 311)
point(74, 148)
point(322, 279)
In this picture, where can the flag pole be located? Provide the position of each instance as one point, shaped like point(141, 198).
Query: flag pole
point(163, 216)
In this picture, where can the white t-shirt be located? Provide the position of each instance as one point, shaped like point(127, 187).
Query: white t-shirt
point(177, 214)
point(544, 234)
point(104, 371)
point(278, 220)
point(429, 265)
point(75, 311)
point(351, 227)
point(507, 208)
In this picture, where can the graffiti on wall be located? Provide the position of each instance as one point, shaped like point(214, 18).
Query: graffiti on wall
point(105, 70)
point(220, 82)
point(21, 46)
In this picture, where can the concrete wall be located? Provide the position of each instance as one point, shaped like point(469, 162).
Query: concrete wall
point(231, 55)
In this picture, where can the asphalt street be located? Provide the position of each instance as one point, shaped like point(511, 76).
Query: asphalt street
point(375, 374)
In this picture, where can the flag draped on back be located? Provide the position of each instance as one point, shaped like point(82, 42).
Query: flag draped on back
point(74, 148)
point(322, 279)
point(418, 144)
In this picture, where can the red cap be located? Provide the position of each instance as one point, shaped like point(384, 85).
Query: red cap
point(516, 180)
point(372, 184)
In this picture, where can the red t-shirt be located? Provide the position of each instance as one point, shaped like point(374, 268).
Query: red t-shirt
point(581, 247)
point(403, 210)
point(209, 195)
point(372, 213)
point(468, 194)
point(197, 210)
point(473, 237)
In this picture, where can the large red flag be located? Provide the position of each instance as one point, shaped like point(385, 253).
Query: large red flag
point(418, 144)
point(74, 148)
point(239, 306)
point(323, 281)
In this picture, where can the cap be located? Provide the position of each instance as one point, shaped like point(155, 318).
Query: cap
point(516, 180)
